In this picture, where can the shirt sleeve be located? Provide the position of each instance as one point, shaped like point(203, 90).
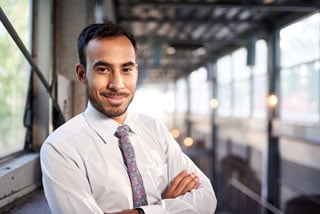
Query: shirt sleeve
point(64, 193)
point(201, 200)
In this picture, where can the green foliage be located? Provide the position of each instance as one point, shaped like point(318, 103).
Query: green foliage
point(14, 74)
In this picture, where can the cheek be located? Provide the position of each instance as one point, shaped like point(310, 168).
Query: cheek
point(131, 85)
point(132, 82)
point(96, 83)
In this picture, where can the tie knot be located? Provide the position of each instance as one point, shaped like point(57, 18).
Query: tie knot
point(122, 131)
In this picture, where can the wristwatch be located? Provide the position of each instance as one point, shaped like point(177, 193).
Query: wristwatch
point(140, 210)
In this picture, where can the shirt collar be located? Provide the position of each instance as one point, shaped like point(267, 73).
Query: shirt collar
point(104, 126)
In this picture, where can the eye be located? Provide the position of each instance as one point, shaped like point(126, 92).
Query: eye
point(127, 69)
point(102, 69)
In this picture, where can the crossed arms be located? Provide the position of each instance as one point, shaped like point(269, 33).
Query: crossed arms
point(181, 184)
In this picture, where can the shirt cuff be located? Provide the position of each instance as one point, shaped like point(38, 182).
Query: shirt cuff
point(151, 209)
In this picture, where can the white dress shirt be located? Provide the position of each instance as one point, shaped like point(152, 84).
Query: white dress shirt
point(83, 170)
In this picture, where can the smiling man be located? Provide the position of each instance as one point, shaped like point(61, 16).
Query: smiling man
point(111, 77)
point(109, 160)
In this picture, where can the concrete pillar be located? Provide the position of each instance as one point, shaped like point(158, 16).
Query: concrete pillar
point(70, 18)
point(42, 53)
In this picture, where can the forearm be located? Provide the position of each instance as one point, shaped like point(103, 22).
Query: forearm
point(199, 197)
point(200, 200)
point(131, 211)
point(181, 205)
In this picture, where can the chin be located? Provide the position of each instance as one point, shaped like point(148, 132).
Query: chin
point(114, 111)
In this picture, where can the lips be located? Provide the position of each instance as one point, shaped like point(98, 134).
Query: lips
point(115, 99)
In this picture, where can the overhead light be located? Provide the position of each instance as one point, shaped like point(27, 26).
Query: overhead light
point(272, 100)
point(214, 103)
point(171, 50)
point(175, 133)
point(188, 141)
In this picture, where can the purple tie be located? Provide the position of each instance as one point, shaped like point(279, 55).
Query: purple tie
point(138, 191)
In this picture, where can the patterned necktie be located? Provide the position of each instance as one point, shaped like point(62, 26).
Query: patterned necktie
point(138, 191)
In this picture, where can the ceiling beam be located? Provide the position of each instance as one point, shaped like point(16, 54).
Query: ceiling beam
point(257, 7)
point(193, 20)
point(143, 39)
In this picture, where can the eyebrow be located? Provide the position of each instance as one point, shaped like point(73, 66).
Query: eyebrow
point(129, 64)
point(103, 63)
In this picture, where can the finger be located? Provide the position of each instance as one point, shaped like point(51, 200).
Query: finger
point(171, 191)
point(193, 184)
point(185, 182)
point(197, 186)
point(189, 185)
point(176, 181)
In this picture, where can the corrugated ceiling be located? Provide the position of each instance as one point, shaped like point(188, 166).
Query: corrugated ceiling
point(176, 37)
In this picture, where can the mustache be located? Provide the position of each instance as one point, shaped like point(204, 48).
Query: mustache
point(115, 94)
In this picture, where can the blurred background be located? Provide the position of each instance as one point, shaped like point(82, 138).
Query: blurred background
point(237, 82)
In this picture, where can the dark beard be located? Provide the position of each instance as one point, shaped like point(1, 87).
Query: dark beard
point(112, 112)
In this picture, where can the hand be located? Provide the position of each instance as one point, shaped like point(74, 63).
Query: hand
point(132, 211)
point(182, 183)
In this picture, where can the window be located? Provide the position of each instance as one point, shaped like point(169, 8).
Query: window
point(242, 89)
point(300, 68)
point(241, 76)
point(152, 100)
point(224, 74)
point(181, 99)
point(260, 80)
point(14, 71)
point(200, 94)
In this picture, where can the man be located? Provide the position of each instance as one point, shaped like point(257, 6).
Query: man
point(84, 165)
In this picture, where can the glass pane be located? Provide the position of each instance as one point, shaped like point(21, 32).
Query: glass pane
point(261, 58)
point(157, 103)
point(181, 101)
point(259, 96)
point(14, 71)
point(241, 106)
point(224, 98)
point(239, 61)
point(296, 48)
point(200, 92)
point(259, 80)
point(300, 92)
point(224, 70)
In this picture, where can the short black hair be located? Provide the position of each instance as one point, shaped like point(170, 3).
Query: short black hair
point(101, 30)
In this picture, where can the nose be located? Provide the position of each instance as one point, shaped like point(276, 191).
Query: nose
point(116, 81)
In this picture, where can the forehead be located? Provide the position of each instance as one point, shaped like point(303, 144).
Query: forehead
point(111, 48)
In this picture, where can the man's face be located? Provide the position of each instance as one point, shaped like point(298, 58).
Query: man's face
point(111, 75)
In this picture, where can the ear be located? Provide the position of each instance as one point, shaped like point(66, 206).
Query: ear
point(81, 73)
